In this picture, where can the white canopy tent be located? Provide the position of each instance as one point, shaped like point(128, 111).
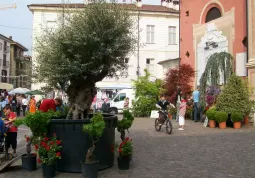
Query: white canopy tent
point(19, 91)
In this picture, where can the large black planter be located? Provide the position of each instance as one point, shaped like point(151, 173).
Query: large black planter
point(29, 162)
point(76, 143)
point(49, 171)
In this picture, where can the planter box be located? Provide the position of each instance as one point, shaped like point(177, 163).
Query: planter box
point(76, 143)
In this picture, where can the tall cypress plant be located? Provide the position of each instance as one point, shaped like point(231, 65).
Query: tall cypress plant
point(235, 97)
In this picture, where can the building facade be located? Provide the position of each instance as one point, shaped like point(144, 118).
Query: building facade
point(209, 26)
point(251, 43)
point(4, 58)
point(158, 27)
point(20, 66)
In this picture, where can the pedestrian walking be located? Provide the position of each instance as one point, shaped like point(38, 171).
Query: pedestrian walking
point(3, 104)
point(24, 104)
point(14, 104)
point(183, 107)
point(178, 102)
point(32, 105)
point(197, 107)
point(19, 104)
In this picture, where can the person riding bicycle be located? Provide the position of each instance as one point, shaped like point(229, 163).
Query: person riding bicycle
point(162, 105)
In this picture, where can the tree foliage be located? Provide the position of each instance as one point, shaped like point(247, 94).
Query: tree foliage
point(235, 97)
point(89, 45)
point(181, 76)
point(219, 64)
point(147, 94)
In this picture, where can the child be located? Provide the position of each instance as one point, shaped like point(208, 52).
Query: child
point(183, 107)
point(126, 103)
point(11, 138)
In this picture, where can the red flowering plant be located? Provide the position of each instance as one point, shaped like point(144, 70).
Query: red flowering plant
point(48, 150)
point(125, 149)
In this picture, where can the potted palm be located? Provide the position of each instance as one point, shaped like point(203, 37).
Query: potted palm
point(221, 117)
point(95, 130)
point(210, 113)
point(49, 152)
point(125, 151)
point(37, 123)
point(236, 118)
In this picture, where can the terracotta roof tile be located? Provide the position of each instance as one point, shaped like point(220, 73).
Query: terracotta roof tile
point(145, 7)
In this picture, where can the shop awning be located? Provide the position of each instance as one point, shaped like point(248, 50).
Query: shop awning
point(6, 86)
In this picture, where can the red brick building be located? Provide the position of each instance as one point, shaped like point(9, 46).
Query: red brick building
point(209, 26)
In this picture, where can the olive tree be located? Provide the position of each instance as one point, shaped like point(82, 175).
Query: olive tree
point(88, 45)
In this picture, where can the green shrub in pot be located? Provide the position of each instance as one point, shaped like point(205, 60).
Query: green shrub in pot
point(210, 113)
point(236, 117)
point(221, 116)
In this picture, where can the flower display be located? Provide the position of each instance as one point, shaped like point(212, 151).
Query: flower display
point(126, 147)
point(48, 150)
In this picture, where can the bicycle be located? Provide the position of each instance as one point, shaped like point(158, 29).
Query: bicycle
point(163, 120)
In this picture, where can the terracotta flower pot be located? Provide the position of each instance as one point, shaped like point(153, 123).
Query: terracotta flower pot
point(237, 125)
point(246, 120)
point(212, 123)
point(222, 125)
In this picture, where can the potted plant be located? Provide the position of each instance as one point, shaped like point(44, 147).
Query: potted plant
point(78, 77)
point(49, 153)
point(235, 97)
point(236, 118)
point(95, 130)
point(210, 113)
point(221, 117)
point(125, 123)
point(125, 151)
point(37, 122)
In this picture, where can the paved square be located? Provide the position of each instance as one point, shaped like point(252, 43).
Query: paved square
point(196, 152)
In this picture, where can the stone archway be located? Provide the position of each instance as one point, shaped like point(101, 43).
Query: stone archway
point(213, 41)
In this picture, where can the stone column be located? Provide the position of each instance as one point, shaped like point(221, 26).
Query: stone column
point(251, 46)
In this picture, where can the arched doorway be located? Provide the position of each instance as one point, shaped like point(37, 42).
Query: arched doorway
point(212, 14)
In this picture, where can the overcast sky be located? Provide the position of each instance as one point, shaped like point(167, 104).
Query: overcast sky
point(18, 22)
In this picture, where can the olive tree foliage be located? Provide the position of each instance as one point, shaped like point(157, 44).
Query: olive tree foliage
point(89, 45)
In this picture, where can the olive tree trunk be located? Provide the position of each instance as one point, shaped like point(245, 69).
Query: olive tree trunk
point(81, 97)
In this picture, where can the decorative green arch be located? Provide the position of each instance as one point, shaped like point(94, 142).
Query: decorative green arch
point(218, 62)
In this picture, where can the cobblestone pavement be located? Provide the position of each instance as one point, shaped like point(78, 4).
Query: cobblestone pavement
point(196, 152)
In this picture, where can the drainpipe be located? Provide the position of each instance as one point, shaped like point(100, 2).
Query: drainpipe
point(247, 29)
point(179, 38)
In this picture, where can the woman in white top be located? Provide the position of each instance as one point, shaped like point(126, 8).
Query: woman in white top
point(24, 102)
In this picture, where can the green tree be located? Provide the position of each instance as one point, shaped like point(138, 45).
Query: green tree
point(146, 94)
point(235, 96)
point(90, 44)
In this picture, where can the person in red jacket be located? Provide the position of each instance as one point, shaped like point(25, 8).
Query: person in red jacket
point(50, 104)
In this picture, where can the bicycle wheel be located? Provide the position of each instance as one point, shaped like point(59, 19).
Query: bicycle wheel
point(169, 126)
point(157, 126)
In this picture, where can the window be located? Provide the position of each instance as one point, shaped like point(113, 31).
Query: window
point(150, 65)
point(120, 97)
point(126, 60)
point(212, 14)
point(150, 33)
point(5, 46)
point(1, 46)
point(4, 60)
point(4, 74)
point(171, 35)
